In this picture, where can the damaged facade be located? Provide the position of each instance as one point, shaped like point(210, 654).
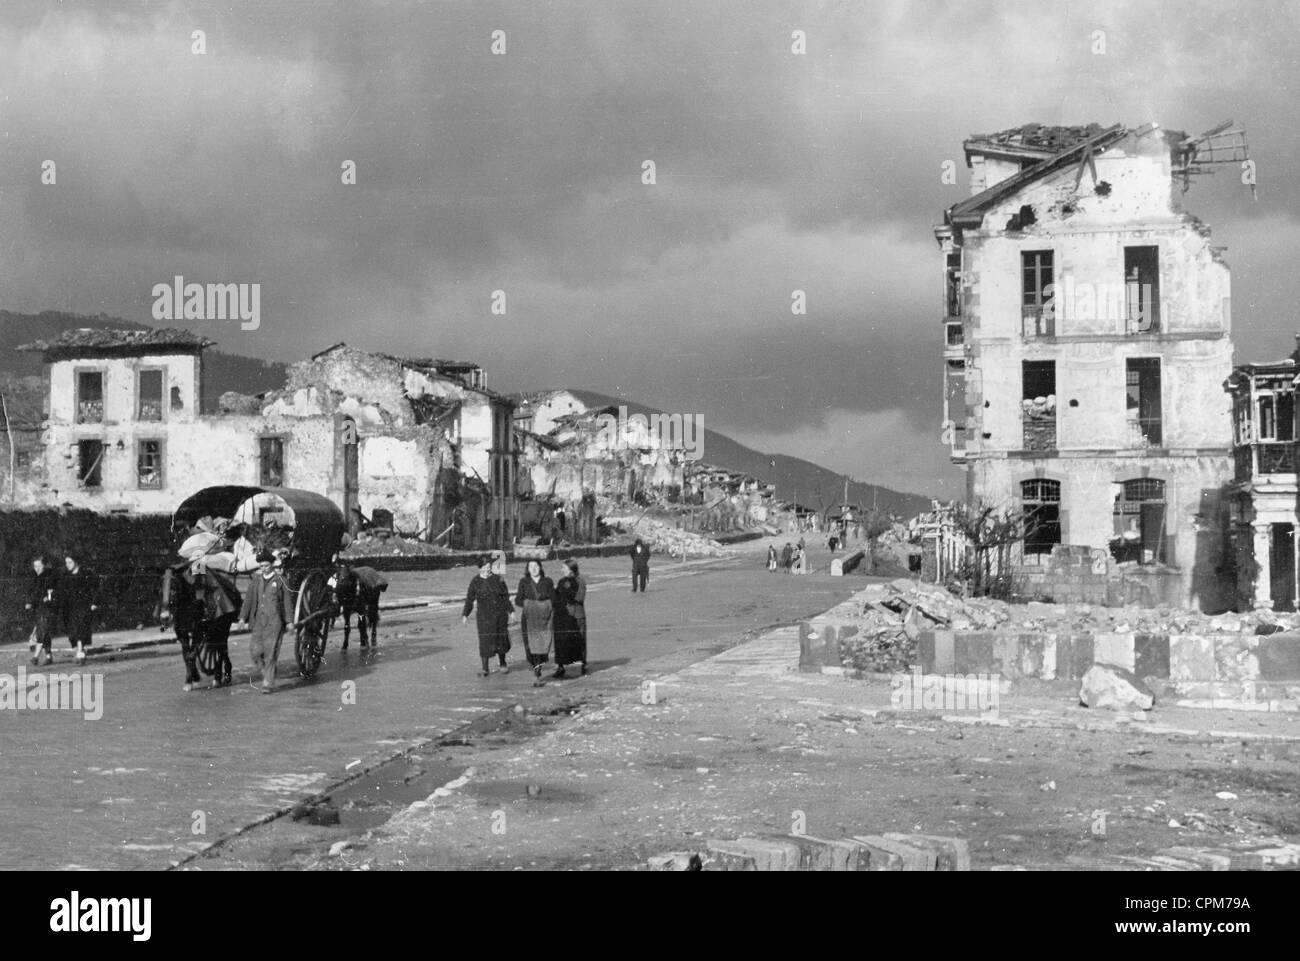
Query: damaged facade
point(1263, 490)
point(424, 441)
point(572, 455)
point(1087, 336)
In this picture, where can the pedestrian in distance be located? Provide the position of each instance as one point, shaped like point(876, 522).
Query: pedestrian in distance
point(78, 600)
point(833, 542)
point(42, 601)
point(640, 554)
point(489, 599)
point(771, 557)
point(787, 556)
point(799, 564)
point(533, 598)
point(569, 624)
point(268, 612)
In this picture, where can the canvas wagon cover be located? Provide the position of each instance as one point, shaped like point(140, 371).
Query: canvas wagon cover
point(318, 524)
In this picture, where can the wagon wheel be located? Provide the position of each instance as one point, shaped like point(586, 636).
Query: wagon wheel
point(313, 599)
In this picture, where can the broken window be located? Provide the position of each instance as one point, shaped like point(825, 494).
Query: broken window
point(90, 458)
point(1041, 500)
point(954, 401)
point(1038, 404)
point(150, 391)
point(1140, 522)
point(952, 284)
point(90, 397)
point(271, 461)
point(1142, 380)
point(1036, 289)
point(1142, 288)
point(149, 464)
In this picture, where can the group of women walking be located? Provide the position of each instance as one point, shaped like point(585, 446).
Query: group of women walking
point(551, 616)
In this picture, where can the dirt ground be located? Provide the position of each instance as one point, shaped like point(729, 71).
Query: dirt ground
point(740, 745)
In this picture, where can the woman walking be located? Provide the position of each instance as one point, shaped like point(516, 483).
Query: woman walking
point(79, 599)
point(578, 607)
point(488, 592)
point(570, 623)
point(42, 602)
point(536, 591)
point(771, 557)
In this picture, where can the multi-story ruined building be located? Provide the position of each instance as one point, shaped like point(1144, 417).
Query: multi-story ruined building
point(1263, 489)
point(1087, 335)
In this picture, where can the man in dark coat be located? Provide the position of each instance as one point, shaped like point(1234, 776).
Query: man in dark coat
point(488, 592)
point(787, 555)
point(640, 565)
point(42, 601)
point(78, 601)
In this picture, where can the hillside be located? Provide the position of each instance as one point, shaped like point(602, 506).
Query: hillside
point(816, 486)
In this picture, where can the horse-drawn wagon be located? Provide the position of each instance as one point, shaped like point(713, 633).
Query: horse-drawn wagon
point(219, 532)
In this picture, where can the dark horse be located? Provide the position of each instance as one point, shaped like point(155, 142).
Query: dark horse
point(356, 591)
point(202, 608)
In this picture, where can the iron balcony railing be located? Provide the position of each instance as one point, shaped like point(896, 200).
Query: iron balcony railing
point(1145, 432)
point(1038, 320)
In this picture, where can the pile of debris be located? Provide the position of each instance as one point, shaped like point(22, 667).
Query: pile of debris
point(664, 539)
point(893, 615)
point(380, 542)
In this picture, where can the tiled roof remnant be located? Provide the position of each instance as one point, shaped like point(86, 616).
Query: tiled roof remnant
point(104, 340)
point(1037, 137)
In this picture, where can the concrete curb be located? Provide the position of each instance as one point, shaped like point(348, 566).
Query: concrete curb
point(802, 852)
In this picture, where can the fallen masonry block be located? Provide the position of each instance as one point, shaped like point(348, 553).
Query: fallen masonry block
point(1116, 688)
point(1266, 859)
point(1206, 860)
point(889, 855)
point(818, 854)
point(951, 854)
point(764, 855)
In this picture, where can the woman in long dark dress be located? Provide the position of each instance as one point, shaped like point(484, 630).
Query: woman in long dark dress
point(579, 606)
point(534, 599)
point(570, 642)
point(488, 592)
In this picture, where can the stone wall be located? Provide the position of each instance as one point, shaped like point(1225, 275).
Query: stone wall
point(1074, 574)
point(127, 551)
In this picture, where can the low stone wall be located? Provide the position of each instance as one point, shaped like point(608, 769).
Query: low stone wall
point(1075, 574)
point(128, 552)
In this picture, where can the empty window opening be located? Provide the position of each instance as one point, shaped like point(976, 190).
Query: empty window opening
point(1142, 380)
point(271, 461)
point(90, 458)
point(1036, 289)
point(1041, 500)
point(150, 405)
point(149, 464)
point(90, 397)
point(1142, 288)
point(1139, 520)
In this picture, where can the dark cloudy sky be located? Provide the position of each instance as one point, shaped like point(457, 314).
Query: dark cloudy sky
point(522, 172)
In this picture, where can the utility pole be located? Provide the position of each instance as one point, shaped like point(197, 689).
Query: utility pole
point(13, 454)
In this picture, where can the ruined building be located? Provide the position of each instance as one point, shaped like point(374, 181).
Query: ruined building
point(421, 442)
point(1263, 488)
point(1087, 335)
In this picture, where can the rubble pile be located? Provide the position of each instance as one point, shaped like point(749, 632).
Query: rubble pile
point(382, 542)
point(664, 539)
point(892, 616)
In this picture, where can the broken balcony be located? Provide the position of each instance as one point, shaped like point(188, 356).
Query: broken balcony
point(1264, 458)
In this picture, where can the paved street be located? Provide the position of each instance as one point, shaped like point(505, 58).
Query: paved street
point(131, 789)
